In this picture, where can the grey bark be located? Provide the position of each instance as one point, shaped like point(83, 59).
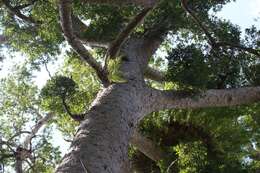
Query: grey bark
point(35, 129)
point(209, 98)
point(147, 147)
point(102, 139)
point(101, 143)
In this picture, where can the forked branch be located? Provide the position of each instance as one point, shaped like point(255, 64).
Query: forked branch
point(115, 46)
point(36, 128)
point(122, 36)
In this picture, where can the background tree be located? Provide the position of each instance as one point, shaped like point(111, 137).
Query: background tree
point(186, 129)
point(25, 128)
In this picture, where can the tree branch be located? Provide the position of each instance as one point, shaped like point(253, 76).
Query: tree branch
point(79, 27)
point(115, 46)
point(76, 117)
point(154, 74)
point(147, 147)
point(25, 5)
point(8, 144)
point(16, 11)
point(212, 41)
point(144, 3)
point(125, 33)
point(75, 43)
point(18, 134)
point(5, 156)
point(184, 4)
point(210, 98)
point(247, 49)
point(35, 129)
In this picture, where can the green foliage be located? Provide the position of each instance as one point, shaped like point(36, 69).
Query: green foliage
point(253, 74)
point(192, 157)
point(199, 140)
point(187, 66)
point(58, 86)
point(19, 111)
point(115, 74)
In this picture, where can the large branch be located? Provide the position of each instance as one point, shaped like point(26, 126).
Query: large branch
point(115, 46)
point(80, 27)
point(144, 3)
point(147, 147)
point(154, 74)
point(212, 41)
point(75, 43)
point(210, 98)
point(125, 33)
point(35, 129)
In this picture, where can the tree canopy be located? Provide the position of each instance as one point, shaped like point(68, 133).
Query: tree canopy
point(199, 93)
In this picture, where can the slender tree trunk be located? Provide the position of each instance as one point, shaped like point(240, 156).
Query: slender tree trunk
point(18, 165)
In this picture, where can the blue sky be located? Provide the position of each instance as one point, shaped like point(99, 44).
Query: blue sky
point(242, 12)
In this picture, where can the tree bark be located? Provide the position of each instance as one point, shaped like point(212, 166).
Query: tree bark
point(101, 142)
point(18, 165)
point(210, 98)
point(147, 147)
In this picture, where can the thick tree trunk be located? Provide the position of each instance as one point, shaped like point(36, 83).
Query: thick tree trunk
point(102, 140)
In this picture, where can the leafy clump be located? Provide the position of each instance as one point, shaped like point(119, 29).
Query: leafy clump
point(55, 91)
point(187, 67)
point(59, 86)
point(114, 73)
point(192, 157)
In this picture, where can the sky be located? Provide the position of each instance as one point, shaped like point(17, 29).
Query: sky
point(242, 12)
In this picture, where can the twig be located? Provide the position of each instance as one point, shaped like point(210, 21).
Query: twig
point(169, 167)
point(84, 167)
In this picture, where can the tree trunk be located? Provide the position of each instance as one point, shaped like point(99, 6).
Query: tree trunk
point(102, 140)
point(18, 165)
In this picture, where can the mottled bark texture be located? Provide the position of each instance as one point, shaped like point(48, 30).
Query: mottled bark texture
point(102, 139)
point(203, 99)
